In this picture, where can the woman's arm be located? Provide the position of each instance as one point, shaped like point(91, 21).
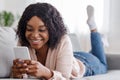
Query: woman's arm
point(64, 60)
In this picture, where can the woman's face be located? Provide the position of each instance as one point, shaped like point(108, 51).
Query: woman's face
point(36, 33)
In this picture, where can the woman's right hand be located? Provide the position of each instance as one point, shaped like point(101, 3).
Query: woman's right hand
point(19, 69)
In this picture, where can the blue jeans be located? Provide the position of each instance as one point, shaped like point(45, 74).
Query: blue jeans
point(95, 60)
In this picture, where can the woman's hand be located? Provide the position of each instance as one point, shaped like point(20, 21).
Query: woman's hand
point(22, 68)
point(19, 69)
point(36, 69)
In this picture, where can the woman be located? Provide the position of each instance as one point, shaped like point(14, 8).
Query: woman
point(42, 30)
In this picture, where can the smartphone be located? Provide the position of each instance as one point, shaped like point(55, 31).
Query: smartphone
point(21, 52)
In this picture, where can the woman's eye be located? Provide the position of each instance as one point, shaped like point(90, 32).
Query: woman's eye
point(28, 29)
point(42, 30)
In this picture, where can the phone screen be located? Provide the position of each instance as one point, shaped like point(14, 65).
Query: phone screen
point(21, 52)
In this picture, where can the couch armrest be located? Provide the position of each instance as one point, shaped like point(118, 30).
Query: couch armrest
point(113, 61)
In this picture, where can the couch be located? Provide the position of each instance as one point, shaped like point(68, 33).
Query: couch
point(112, 59)
point(7, 39)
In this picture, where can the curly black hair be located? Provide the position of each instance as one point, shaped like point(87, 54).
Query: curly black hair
point(51, 18)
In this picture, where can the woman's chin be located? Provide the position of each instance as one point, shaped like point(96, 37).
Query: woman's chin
point(36, 47)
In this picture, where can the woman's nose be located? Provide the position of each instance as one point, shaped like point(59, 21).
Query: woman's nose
point(35, 34)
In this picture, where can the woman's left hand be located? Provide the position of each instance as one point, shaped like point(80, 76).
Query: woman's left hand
point(38, 70)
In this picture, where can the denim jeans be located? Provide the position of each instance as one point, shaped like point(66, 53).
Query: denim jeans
point(95, 60)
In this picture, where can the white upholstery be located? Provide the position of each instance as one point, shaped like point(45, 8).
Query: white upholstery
point(7, 42)
point(74, 41)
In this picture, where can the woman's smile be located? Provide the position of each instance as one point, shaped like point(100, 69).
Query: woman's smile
point(35, 41)
point(36, 33)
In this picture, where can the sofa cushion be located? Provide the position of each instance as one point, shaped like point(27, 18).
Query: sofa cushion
point(113, 61)
point(110, 75)
point(7, 42)
point(74, 41)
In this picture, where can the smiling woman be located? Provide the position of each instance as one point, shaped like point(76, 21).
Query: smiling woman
point(42, 29)
point(36, 33)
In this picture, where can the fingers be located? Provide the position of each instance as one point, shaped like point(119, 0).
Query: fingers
point(30, 62)
point(16, 61)
point(19, 67)
point(20, 76)
point(34, 68)
point(23, 65)
point(29, 67)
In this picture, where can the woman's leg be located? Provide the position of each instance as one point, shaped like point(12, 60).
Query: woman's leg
point(96, 61)
point(97, 47)
point(96, 43)
point(92, 63)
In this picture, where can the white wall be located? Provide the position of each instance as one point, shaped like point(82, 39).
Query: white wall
point(112, 20)
point(16, 6)
point(114, 24)
point(1, 5)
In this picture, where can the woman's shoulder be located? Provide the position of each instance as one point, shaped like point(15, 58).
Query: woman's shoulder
point(64, 46)
point(65, 38)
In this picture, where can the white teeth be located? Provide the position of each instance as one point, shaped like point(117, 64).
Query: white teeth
point(35, 40)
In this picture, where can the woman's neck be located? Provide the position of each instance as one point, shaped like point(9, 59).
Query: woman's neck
point(42, 54)
point(42, 50)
